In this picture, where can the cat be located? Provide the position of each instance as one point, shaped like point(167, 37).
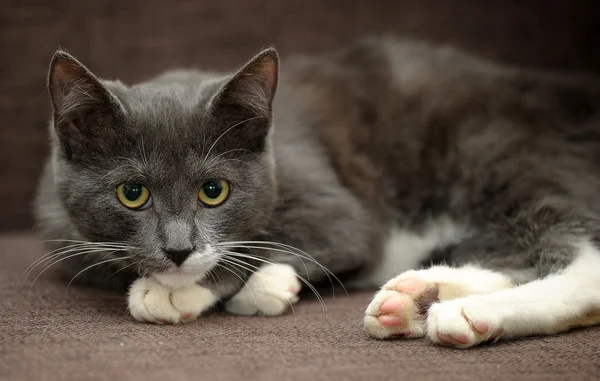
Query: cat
point(467, 188)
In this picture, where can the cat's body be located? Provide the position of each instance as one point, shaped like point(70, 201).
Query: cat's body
point(388, 156)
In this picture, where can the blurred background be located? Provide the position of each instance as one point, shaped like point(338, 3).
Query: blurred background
point(133, 40)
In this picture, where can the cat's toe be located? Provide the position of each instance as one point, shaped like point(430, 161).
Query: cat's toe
point(461, 323)
point(392, 314)
point(270, 291)
point(398, 309)
point(190, 302)
point(149, 301)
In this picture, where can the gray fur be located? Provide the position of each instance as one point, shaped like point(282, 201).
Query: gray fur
point(383, 132)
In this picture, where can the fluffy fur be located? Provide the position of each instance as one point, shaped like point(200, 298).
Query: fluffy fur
point(366, 163)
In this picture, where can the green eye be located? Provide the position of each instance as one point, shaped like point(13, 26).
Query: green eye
point(134, 196)
point(213, 192)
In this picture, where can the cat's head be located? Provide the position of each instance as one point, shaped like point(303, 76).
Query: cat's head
point(173, 167)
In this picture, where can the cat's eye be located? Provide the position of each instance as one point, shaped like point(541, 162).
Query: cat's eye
point(134, 196)
point(214, 193)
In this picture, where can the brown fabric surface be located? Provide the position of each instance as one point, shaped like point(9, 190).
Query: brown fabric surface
point(87, 335)
point(132, 40)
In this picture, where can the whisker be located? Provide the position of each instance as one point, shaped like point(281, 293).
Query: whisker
point(41, 259)
point(227, 130)
point(252, 272)
point(232, 255)
point(214, 275)
point(234, 273)
point(125, 243)
point(121, 269)
point(301, 254)
point(214, 159)
point(60, 260)
point(94, 265)
point(144, 157)
point(278, 250)
point(62, 251)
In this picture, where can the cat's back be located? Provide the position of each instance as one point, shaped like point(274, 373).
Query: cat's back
point(402, 119)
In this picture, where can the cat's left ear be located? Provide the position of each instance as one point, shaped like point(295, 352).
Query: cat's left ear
point(85, 111)
point(244, 103)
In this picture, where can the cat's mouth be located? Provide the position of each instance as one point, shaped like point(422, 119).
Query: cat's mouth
point(193, 270)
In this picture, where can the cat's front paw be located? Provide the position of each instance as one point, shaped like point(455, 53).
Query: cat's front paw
point(152, 302)
point(270, 291)
point(399, 308)
point(463, 323)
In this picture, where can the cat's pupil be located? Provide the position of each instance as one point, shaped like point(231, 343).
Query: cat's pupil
point(132, 191)
point(212, 189)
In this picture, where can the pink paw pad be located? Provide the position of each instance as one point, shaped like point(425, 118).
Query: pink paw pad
point(393, 304)
point(186, 315)
point(453, 339)
point(409, 285)
point(390, 320)
point(478, 326)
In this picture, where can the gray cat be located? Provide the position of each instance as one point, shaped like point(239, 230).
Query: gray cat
point(478, 183)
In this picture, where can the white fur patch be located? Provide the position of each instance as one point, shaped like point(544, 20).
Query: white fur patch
point(477, 305)
point(545, 306)
point(405, 250)
point(193, 270)
point(409, 289)
point(152, 302)
point(270, 291)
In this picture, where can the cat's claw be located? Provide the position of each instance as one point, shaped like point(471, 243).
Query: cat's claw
point(151, 302)
point(270, 291)
point(398, 309)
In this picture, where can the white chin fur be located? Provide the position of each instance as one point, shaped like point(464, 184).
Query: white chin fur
point(177, 281)
point(193, 270)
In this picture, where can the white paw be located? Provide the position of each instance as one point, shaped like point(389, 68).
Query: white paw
point(152, 302)
point(270, 291)
point(463, 323)
point(398, 309)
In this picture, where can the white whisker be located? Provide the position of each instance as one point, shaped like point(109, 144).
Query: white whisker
point(226, 131)
point(65, 258)
point(232, 255)
point(82, 245)
point(94, 265)
point(234, 273)
point(301, 254)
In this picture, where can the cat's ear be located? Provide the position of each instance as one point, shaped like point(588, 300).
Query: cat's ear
point(85, 112)
point(244, 103)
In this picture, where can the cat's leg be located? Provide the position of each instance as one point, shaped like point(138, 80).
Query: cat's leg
point(399, 309)
point(545, 250)
point(152, 302)
point(569, 298)
point(270, 291)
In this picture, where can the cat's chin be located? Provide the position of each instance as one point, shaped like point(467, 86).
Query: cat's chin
point(177, 278)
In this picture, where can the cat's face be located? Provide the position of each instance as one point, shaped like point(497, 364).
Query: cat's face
point(173, 169)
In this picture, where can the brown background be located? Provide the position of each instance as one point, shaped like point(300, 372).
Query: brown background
point(84, 334)
point(47, 334)
point(135, 39)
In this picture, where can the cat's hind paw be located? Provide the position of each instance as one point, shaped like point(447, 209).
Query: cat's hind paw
point(151, 302)
point(270, 291)
point(462, 323)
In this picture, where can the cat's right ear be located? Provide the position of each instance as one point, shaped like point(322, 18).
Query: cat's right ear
point(243, 106)
point(84, 109)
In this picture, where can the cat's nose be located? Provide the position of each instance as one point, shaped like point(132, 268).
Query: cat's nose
point(178, 256)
